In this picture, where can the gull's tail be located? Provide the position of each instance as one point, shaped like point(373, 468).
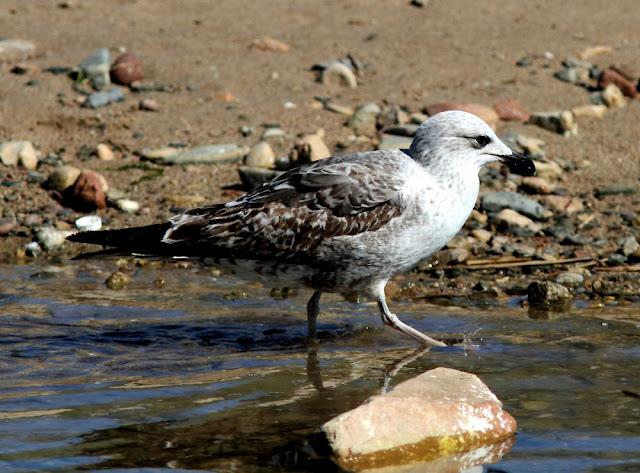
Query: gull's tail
point(145, 240)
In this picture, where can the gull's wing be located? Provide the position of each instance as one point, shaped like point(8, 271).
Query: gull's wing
point(289, 217)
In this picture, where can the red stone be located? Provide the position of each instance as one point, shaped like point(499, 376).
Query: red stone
point(511, 110)
point(88, 192)
point(126, 69)
point(611, 76)
point(488, 114)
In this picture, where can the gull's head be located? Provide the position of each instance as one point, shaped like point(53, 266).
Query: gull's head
point(460, 139)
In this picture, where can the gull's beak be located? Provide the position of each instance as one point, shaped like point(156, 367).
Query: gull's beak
point(518, 163)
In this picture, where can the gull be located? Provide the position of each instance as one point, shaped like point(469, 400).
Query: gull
point(345, 224)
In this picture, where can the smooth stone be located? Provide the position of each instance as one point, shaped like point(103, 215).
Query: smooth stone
point(438, 413)
point(338, 74)
point(271, 45)
point(126, 69)
point(612, 97)
point(392, 115)
point(13, 153)
point(537, 185)
point(563, 204)
point(630, 246)
point(548, 169)
point(89, 223)
point(117, 281)
point(388, 141)
point(591, 111)
point(207, 154)
point(308, 149)
point(50, 238)
point(364, 120)
point(15, 49)
point(570, 279)
point(615, 189)
point(100, 99)
point(418, 118)
point(88, 191)
point(254, 177)
point(104, 152)
point(612, 76)
point(481, 235)
point(127, 206)
point(548, 295)
point(561, 121)
point(591, 51)
point(488, 114)
point(338, 108)
point(261, 156)
point(148, 105)
point(496, 201)
point(63, 177)
point(96, 67)
point(530, 145)
point(574, 75)
point(511, 110)
point(273, 133)
point(513, 220)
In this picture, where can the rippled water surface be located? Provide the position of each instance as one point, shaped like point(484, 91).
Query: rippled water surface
point(184, 371)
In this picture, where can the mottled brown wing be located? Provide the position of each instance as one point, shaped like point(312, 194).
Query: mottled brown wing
point(289, 217)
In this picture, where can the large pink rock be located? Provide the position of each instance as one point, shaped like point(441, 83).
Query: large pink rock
point(488, 114)
point(511, 110)
point(88, 192)
point(439, 413)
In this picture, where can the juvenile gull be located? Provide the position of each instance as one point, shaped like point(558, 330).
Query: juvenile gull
point(344, 224)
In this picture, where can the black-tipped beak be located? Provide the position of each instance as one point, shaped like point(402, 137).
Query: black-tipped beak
point(518, 163)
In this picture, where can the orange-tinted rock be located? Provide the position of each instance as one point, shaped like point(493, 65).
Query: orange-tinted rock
point(511, 110)
point(88, 192)
point(126, 69)
point(438, 413)
point(488, 114)
point(611, 76)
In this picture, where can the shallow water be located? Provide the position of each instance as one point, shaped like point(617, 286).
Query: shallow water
point(212, 374)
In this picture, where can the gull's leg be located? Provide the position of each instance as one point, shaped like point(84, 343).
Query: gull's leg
point(392, 320)
point(313, 309)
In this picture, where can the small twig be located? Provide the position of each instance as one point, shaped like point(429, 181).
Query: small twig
point(619, 269)
point(489, 264)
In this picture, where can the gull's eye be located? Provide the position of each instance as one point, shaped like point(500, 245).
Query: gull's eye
point(481, 141)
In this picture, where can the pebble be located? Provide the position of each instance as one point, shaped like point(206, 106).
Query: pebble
point(117, 281)
point(96, 67)
point(13, 153)
point(511, 110)
point(591, 111)
point(273, 133)
point(100, 99)
point(570, 279)
point(127, 206)
point(270, 44)
point(126, 69)
point(548, 169)
point(253, 177)
point(392, 115)
point(338, 74)
point(516, 222)
point(338, 108)
point(389, 141)
point(488, 114)
point(16, 49)
point(574, 75)
point(612, 97)
point(561, 121)
point(611, 76)
point(149, 105)
point(88, 191)
point(207, 154)
point(261, 156)
point(563, 204)
point(308, 149)
point(630, 246)
point(616, 259)
point(418, 118)
point(89, 223)
point(496, 201)
point(537, 185)
point(104, 152)
point(614, 189)
point(364, 120)
point(591, 51)
point(63, 177)
point(50, 238)
point(429, 415)
point(548, 295)
point(481, 234)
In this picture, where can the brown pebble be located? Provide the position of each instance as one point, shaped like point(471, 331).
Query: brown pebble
point(88, 192)
point(511, 110)
point(117, 280)
point(149, 105)
point(126, 69)
point(611, 76)
point(270, 44)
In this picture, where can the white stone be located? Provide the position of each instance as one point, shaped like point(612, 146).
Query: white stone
point(104, 152)
point(19, 152)
point(127, 205)
point(338, 74)
point(89, 223)
point(51, 238)
point(261, 156)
